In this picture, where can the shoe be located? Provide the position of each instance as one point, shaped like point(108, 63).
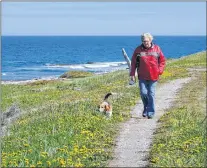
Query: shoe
point(144, 114)
point(150, 116)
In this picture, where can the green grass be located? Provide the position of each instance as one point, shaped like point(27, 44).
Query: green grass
point(62, 126)
point(181, 139)
point(178, 68)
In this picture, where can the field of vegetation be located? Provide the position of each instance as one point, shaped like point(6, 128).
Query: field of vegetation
point(181, 140)
point(60, 124)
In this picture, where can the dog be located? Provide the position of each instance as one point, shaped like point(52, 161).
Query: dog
point(106, 107)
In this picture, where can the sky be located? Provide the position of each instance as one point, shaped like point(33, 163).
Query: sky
point(103, 18)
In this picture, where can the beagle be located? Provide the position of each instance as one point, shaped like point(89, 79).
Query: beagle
point(106, 107)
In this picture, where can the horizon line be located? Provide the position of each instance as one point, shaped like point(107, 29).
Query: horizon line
point(110, 35)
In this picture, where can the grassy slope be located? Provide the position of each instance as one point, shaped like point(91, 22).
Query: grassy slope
point(62, 126)
point(181, 139)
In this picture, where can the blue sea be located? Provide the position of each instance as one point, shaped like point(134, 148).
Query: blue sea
point(40, 57)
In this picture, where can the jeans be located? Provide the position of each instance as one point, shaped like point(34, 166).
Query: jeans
point(147, 92)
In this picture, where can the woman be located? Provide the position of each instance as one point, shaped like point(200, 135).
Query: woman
point(149, 61)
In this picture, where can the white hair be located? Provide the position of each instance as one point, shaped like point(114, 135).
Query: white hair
point(146, 35)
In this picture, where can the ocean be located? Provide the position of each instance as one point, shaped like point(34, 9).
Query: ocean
point(40, 57)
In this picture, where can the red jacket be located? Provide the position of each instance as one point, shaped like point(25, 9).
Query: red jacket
point(149, 62)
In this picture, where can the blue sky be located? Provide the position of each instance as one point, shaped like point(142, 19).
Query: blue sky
point(103, 18)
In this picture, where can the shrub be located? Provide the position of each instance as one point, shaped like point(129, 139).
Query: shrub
point(76, 74)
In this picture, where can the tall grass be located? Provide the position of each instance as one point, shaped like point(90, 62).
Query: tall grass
point(61, 125)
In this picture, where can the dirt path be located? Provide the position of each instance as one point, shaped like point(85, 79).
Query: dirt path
point(135, 138)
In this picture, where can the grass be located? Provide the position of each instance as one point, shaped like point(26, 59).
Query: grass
point(61, 125)
point(178, 68)
point(181, 139)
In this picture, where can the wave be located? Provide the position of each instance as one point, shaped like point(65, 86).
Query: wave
point(55, 66)
point(89, 65)
point(38, 71)
point(17, 61)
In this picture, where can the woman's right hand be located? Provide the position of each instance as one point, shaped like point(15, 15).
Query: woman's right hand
point(132, 80)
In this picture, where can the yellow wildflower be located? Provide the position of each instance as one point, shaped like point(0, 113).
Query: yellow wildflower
point(79, 165)
point(26, 161)
point(62, 162)
point(39, 163)
point(49, 163)
point(30, 150)
point(26, 145)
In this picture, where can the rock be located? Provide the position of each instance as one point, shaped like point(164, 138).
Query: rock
point(9, 115)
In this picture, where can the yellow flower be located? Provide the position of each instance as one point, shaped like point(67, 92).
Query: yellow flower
point(30, 150)
point(26, 145)
point(53, 160)
point(3, 165)
point(39, 163)
point(166, 74)
point(26, 161)
point(154, 160)
point(69, 160)
point(62, 162)
point(3, 154)
point(85, 132)
point(49, 163)
point(79, 165)
point(44, 154)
